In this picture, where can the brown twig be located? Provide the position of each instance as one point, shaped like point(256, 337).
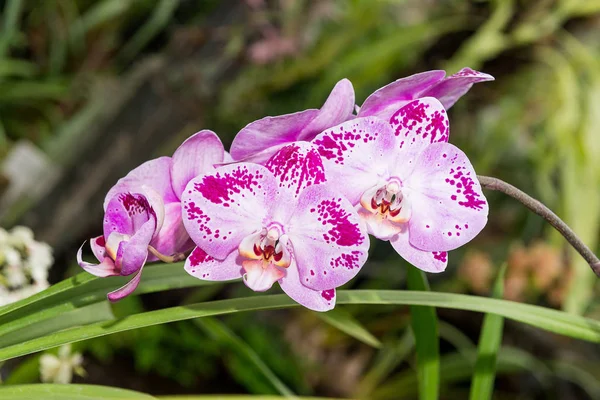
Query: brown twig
point(540, 209)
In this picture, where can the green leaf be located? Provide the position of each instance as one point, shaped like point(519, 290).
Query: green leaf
point(236, 397)
point(490, 340)
point(90, 314)
point(345, 322)
point(220, 332)
point(85, 289)
point(67, 392)
point(427, 344)
point(552, 320)
point(458, 367)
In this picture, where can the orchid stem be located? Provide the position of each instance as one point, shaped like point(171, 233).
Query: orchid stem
point(164, 258)
point(540, 209)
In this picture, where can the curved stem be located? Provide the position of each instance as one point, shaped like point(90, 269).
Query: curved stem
point(540, 209)
point(164, 258)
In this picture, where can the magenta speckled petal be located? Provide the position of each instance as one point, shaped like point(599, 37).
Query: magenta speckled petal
point(448, 205)
point(455, 86)
point(221, 209)
point(385, 101)
point(296, 167)
point(330, 245)
point(424, 260)
point(317, 300)
point(355, 153)
point(196, 156)
point(202, 266)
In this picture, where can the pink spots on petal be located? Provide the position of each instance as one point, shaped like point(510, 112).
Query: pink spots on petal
point(219, 188)
point(135, 204)
point(328, 294)
point(100, 241)
point(334, 144)
point(441, 256)
point(466, 187)
point(198, 257)
point(346, 260)
point(421, 121)
point(297, 169)
point(342, 230)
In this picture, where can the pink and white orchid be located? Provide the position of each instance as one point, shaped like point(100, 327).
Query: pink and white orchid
point(142, 220)
point(278, 222)
point(261, 139)
point(411, 187)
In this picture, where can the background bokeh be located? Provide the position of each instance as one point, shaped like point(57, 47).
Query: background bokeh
point(91, 89)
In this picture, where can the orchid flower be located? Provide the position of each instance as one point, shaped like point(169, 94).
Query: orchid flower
point(142, 220)
point(385, 101)
point(260, 139)
point(411, 187)
point(278, 222)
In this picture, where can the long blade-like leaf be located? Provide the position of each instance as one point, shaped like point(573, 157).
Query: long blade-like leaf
point(556, 321)
point(85, 289)
point(68, 392)
point(425, 328)
point(345, 322)
point(217, 329)
point(489, 343)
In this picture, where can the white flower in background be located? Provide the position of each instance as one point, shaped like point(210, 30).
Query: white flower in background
point(24, 264)
point(60, 369)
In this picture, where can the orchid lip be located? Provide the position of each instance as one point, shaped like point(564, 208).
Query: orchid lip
point(388, 200)
point(267, 245)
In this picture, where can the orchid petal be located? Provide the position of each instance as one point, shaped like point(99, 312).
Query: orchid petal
point(259, 277)
point(455, 86)
point(202, 266)
point(356, 154)
point(420, 123)
point(337, 109)
point(424, 260)
point(330, 245)
point(154, 173)
point(221, 209)
point(317, 300)
point(126, 289)
point(297, 166)
point(102, 270)
point(97, 244)
point(270, 131)
point(197, 155)
point(378, 226)
point(172, 237)
point(448, 206)
point(385, 101)
point(132, 253)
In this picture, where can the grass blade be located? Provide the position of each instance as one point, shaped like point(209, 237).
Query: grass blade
point(552, 320)
point(221, 332)
point(489, 343)
point(68, 392)
point(427, 345)
point(345, 322)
